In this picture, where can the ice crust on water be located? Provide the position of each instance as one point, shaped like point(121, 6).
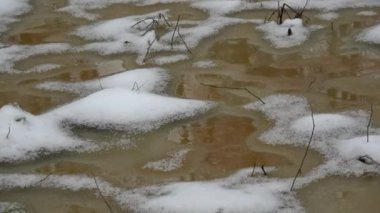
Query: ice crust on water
point(277, 34)
point(172, 162)
point(11, 54)
point(143, 80)
point(26, 136)
point(370, 35)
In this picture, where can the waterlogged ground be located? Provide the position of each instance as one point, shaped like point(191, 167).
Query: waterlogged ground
point(331, 69)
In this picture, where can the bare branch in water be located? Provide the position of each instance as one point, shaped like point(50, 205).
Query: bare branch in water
point(100, 192)
point(306, 151)
point(263, 169)
point(369, 123)
point(175, 30)
point(42, 180)
point(236, 88)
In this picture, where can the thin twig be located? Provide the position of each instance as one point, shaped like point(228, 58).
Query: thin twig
point(237, 88)
point(143, 20)
point(100, 192)
point(262, 168)
point(312, 82)
point(148, 49)
point(369, 123)
point(100, 84)
point(188, 49)
point(175, 29)
point(135, 85)
point(151, 26)
point(163, 16)
point(253, 169)
point(43, 179)
point(9, 131)
point(306, 151)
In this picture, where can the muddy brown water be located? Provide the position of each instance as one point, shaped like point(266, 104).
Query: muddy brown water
point(333, 71)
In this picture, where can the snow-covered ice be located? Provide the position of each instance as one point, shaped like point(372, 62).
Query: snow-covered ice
point(366, 13)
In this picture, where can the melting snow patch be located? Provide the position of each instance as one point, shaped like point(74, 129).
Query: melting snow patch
point(11, 207)
point(170, 59)
point(173, 162)
point(328, 16)
point(288, 34)
point(323, 123)
point(218, 7)
point(237, 193)
point(111, 35)
point(204, 64)
point(366, 13)
point(44, 67)
point(143, 80)
point(293, 123)
point(10, 9)
point(337, 136)
point(370, 35)
point(10, 55)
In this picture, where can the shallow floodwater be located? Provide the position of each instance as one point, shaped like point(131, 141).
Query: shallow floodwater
point(333, 71)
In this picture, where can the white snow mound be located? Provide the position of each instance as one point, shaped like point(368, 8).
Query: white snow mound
point(358, 146)
point(279, 34)
point(370, 35)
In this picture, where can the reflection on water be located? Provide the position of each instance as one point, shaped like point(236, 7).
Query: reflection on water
point(219, 146)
